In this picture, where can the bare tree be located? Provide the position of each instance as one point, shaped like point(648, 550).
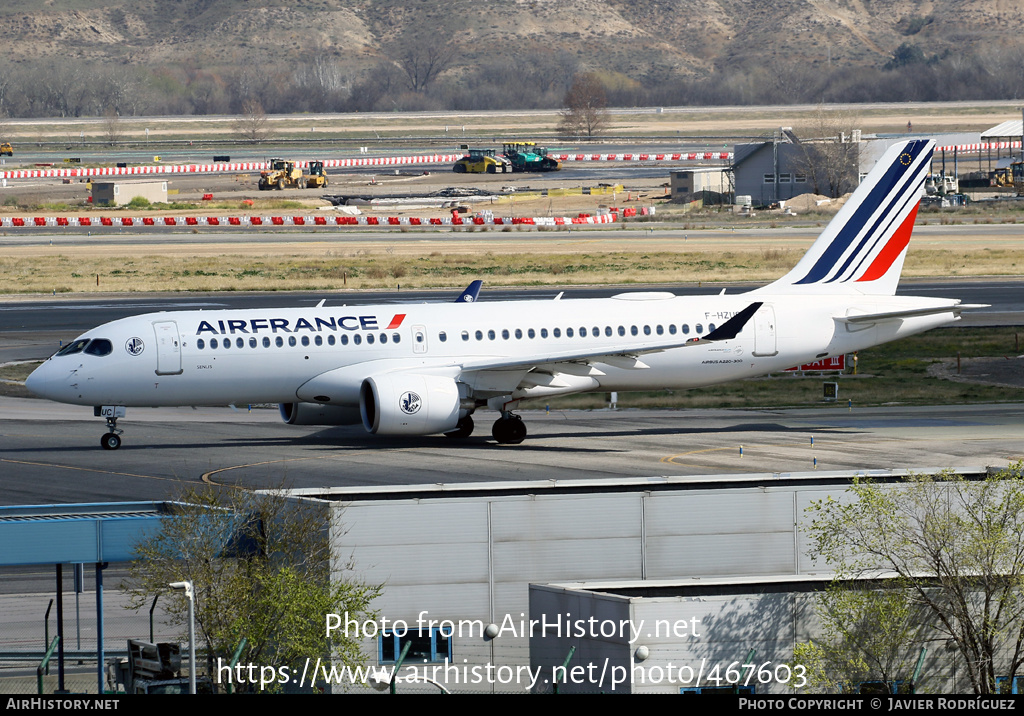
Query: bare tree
point(828, 155)
point(112, 129)
point(422, 57)
point(584, 114)
point(252, 124)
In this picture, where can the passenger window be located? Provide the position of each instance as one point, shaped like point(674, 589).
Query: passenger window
point(647, 330)
point(369, 338)
point(633, 330)
point(622, 330)
point(686, 329)
point(504, 333)
point(607, 330)
point(279, 342)
point(442, 336)
point(660, 329)
point(543, 332)
point(252, 342)
point(240, 343)
point(583, 332)
point(711, 327)
point(672, 328)
point(330, 339)
point(700, 329)
point(396, 337)
point(465, 335)
point(214, 343)
point(292, 341)
point(568, 333)
point(479, 335)
point(556, 332)
point(357, 339)
point(344, 339)
point(200, 344)
point(266, 342)
point(519, 333)
point(383, 337)
point(530, 333)
point(490, 335)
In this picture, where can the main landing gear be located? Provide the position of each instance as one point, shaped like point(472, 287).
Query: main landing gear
point(112, 439)
point(509, 429)
point(463, 429)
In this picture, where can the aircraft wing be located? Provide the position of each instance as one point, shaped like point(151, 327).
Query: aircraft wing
point(625, 355)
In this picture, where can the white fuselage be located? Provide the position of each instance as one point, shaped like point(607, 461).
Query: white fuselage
point(323, 354)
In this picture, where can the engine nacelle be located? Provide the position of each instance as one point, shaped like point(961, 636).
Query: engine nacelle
point(317, 414)
point(404, 404)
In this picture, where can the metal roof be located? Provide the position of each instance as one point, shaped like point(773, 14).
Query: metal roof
point(1009, 128)
point(92, 532)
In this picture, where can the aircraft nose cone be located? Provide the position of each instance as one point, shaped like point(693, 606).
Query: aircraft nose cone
point(38, 380)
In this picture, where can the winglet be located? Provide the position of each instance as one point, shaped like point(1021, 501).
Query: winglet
point(471, 292)
point(731, 328)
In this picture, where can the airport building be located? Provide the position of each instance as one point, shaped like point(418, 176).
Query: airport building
point(495, 583)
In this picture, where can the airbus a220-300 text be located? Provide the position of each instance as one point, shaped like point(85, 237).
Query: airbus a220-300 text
point(428, 368)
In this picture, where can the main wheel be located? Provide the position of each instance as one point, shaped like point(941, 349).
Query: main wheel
point(280, 183)
point(459, 168)
point(509, 431)
point(110, 441)
point(463, 430)
point(491, 169)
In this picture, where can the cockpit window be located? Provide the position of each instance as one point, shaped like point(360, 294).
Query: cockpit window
point(100, 347)
point(74, 347)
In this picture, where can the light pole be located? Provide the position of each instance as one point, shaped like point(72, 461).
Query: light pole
point(190, 595)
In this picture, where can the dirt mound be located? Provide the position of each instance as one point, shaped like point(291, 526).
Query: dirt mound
point(815, 202)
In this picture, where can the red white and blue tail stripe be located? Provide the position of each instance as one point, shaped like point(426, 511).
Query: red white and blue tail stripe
point(861, 251)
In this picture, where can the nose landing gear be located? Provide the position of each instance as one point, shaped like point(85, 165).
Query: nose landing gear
point(112, 439)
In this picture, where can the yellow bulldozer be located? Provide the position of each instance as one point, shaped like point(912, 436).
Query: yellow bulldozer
point(6, 148)
point(284, 174)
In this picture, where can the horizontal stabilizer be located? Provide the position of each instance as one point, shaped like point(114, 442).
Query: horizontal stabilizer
point(910, 313)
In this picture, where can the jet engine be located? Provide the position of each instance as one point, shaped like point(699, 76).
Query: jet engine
point(317, 414)
point(404, 404)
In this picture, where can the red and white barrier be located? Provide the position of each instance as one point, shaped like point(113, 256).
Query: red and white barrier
point(223, 167)
point(980, 147)
point(411, 160)
point(634, 157)
point(319, 220)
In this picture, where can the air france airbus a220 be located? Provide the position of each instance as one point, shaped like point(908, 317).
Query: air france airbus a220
point(425, 369)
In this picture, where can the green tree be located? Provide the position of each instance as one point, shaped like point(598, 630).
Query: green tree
point(261, 569)
point(951, 548)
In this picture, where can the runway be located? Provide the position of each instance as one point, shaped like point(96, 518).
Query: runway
point(50, 453)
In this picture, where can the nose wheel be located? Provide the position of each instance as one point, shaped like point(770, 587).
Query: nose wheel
point(112, 439)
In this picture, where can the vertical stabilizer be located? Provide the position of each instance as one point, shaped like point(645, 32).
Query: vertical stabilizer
point(861, 251)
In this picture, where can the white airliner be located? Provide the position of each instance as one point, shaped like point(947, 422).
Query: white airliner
point(426, 368)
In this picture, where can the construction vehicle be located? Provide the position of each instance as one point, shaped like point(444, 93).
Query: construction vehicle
point(281, 174)
point(317, 178)
point(528, 157)
point(6, 148)
point(479, 161)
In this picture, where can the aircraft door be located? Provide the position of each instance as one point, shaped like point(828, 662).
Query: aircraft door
point(168, 348)
point(419, 339)
point(764, 332)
